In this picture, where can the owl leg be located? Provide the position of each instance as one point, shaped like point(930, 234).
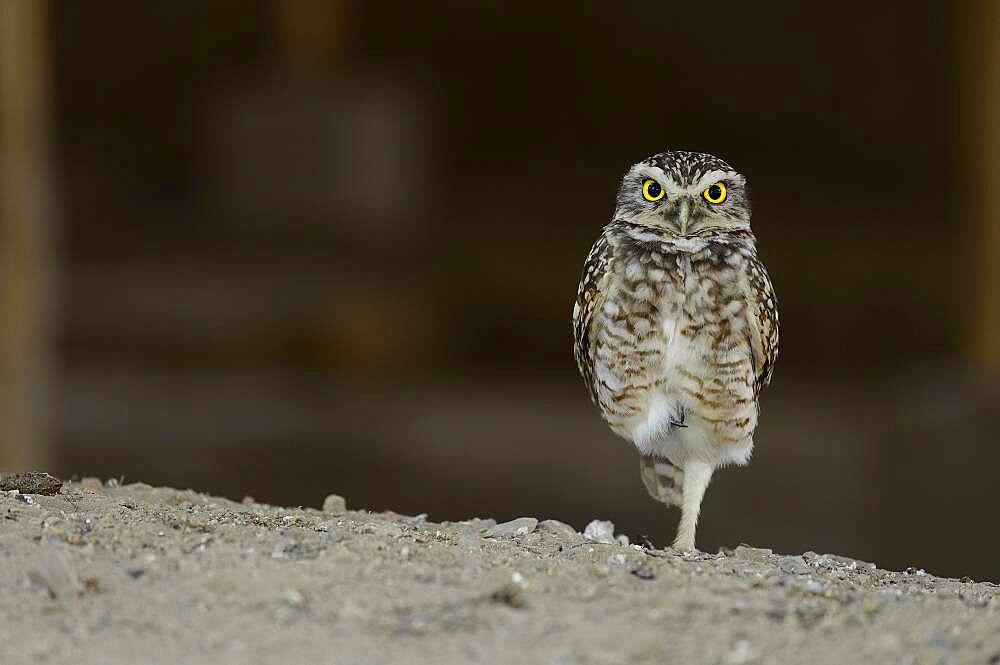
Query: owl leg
point(697, 475)
point(662, 479)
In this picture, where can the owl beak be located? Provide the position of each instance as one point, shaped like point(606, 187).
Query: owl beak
point(683, 211)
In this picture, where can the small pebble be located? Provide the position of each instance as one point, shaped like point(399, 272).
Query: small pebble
point(509, 594)
point(752, 553)
point(519, 527)
point(794, 565)
point(335, 504)
point(32, 482)
point(848, 562)
point(644, 571)
point(480, 523)
point(600, 531)
point(617, 559)
point(557, 528)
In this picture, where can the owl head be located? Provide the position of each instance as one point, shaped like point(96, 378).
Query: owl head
point(684, 194)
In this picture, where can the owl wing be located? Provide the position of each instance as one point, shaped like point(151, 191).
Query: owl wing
point(590, 299)
point(762, 317)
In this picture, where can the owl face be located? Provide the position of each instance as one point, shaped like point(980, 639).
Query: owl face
point(684, 194)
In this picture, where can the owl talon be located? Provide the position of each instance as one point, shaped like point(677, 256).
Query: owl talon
point(679, 422)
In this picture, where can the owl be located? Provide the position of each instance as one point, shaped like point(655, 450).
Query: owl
point(676, 325)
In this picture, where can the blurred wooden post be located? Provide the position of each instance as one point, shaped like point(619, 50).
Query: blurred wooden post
point(980, 38)
point(25, 251)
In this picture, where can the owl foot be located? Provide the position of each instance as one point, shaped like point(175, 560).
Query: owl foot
point(683, 546)
point(662, 479)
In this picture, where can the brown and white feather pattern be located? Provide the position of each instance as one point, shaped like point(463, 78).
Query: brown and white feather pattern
point(689, 327)
point(589, 296)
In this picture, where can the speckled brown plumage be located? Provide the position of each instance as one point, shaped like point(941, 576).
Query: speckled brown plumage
point(676, 325)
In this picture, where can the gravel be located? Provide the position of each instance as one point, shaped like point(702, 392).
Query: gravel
point(135, 574)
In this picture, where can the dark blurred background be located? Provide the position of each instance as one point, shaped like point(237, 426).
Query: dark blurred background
point(297, 247)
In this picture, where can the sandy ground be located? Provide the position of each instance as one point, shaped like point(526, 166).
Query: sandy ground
point(136, 574)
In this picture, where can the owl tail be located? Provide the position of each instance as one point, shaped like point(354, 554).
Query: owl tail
point(663, 480)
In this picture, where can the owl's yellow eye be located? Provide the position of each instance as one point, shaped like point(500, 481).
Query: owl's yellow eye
point(651, 190)
point(715, 193)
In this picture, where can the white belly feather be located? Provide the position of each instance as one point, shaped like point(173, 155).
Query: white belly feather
point(666, 420)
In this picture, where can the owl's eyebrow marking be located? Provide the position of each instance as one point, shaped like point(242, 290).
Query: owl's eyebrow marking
point(657, 173)
point(652, 172)
point(711, 177)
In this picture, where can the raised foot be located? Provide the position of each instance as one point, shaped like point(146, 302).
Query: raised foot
point(662, 479)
